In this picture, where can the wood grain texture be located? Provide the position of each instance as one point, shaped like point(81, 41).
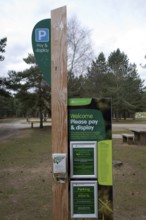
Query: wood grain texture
point(59, 105)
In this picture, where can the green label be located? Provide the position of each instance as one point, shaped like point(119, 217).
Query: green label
point(83, 161)
point(105, 162)
point(83, 202)
point(86, 124)
point(79, 101)
point(41, 43)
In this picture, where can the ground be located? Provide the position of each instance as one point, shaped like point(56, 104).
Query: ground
point(25, 174)
point(25, 179)
point(10, 129)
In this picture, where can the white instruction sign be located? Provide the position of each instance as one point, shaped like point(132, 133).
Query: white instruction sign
point(59, 163)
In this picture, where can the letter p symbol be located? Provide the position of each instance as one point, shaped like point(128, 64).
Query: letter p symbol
point(41, 35)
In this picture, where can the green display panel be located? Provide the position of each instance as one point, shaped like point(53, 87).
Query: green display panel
point(41, 44)
point(83, 159)
point(90, 121)
point(86, 124)
point(84, 199)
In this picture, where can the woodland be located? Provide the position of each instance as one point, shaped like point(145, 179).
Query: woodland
point(27, 94)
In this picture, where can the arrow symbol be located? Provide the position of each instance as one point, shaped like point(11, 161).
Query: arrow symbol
point(59, 25)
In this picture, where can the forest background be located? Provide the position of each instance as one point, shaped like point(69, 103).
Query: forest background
point(27, 94)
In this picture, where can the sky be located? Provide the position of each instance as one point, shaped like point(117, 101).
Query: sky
point(113, 24)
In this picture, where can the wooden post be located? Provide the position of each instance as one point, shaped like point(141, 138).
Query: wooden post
point(59, 105)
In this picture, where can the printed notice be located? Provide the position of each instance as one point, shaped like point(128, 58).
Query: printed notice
point(84, 199)
point(59, 168)
point(83, 159)
point(59, 163)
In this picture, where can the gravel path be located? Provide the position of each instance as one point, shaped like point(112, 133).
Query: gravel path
point(10, 129)
point(13, 128)
point(126, 126)
point(129, 126)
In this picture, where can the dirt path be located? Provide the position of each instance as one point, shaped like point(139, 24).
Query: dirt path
point(126, 126)
point(129, 126)
point(8, 130)
point(11, 129)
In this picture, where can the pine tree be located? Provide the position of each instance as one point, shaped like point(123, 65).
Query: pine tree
point(3, 42)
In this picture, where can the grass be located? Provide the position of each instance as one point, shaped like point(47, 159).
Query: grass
point(25, 180)
point(25, 184)
point(7, 120)
point(129, 181)
point(130, 121)
point(120, 131)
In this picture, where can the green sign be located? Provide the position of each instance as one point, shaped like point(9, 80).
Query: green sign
point(41, 43)
point(83, 200)
point(79, 101)
point(86, 124)
point(84, 197)
point(89, 119)
point(83, 159)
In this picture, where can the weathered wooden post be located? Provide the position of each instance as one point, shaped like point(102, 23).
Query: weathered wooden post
point(59, 105)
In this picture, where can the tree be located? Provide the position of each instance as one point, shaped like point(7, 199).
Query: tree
point(41, 88)
point(2, 47)
point(143, 100)
point(118, 63)
point(127, 85)
point(80, 53)
point(73, 85)
point(96, 77)
point(132, 90)
point(76, 85)
point(7, 107)
point(4, 95)
point(32, 92)
point(117, 79)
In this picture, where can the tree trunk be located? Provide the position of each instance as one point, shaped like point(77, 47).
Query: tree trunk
point(41, 117)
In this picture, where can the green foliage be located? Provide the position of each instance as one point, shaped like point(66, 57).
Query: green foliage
point(127, 85)
point(32, 92)
point(143, 101)
point(6, 101)
point(96, 77)
point(30, 59)
point(118, 61)
point(7, 107)
point(2, 47)
point(76, 85)
point(113, 78)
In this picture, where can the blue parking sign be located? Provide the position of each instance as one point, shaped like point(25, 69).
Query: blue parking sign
point(42, 35)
